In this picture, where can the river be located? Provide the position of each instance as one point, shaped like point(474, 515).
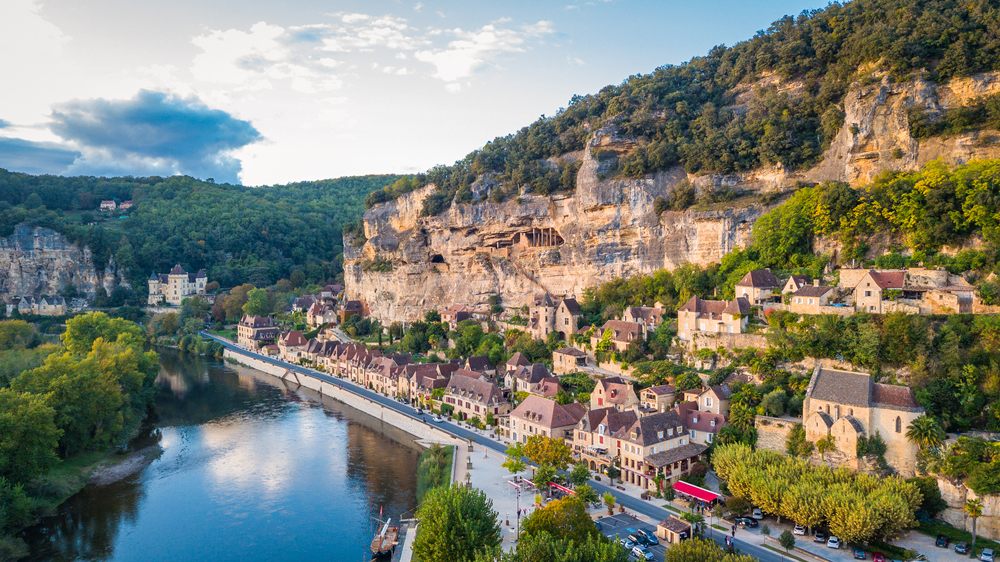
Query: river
point(251, 470)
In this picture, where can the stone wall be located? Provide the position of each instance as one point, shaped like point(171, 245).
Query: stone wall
point(713, 340)
point(772, 433)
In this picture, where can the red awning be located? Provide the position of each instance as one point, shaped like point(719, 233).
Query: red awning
point(695, 492)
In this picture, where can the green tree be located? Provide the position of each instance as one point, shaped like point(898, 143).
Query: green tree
point(701, 550)
point(565, 518)
point(28, 436)
point(826, 445)
point(257, 303)
point(579, 474)
point(455, 524)
point(925, 433)
point(786, 540)
point(543, 475)
point(974, 509)
point(82, 331)
point(542, 450)
point(514, 462)
point(586, 494)
point(543, 547)
point(609, 501)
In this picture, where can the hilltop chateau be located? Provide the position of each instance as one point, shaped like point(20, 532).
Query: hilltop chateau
point(174, 287)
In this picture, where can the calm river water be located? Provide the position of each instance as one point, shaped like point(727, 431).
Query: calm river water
point(250, 470)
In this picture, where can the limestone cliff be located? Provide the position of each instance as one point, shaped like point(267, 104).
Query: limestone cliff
point(607, 228)
point(36, 261)
point(956, 495)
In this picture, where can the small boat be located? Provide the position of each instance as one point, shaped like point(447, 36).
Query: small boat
point(385, 541)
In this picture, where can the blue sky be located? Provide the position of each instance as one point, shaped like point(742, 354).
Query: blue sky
point(268, 92)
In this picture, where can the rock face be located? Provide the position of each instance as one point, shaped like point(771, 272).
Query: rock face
point(607, 227)
point(955, 496)
point(36, 261)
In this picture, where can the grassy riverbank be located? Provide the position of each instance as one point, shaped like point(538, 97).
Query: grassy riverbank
point(434, 469)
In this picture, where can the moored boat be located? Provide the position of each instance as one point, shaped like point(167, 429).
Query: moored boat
point(385, 540)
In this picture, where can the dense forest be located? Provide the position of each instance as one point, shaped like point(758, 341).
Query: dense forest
point(239, 234)
point(690, 113)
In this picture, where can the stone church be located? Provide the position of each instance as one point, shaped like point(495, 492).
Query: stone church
point(850, 405)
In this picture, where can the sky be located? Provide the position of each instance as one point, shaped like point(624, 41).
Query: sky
point(265, 92)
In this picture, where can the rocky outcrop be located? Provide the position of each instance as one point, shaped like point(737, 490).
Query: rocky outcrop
point(607, 227)
point(955, 495)
point(36, 261)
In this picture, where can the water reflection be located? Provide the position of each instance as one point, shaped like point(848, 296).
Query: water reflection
point(250, 470)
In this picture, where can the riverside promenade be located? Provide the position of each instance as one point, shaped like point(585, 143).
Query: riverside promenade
point(628, 498)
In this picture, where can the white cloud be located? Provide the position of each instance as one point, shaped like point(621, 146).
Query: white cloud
point(576, 61)
point(234, 56)
point(418, 7)
point(354, 18)
point(453, 88)
point(473, 49)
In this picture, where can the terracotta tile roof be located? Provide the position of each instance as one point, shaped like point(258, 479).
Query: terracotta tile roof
point(517, 360)
point(479, 363)
point(548, 387)
point(813, 291)
point(292, 339)
point(532, 374)
point(616, 390)
point(895, 397)
point(474, 389)
point(675, 525)
point(695, 304)
point(622, 331)
point(886, 279)
point(647, 429)
point(661, 389)
point(670, 456)
point(759, 279)
point(571, 351)
point(739, 305)
point(547, 413)
point(698, 420)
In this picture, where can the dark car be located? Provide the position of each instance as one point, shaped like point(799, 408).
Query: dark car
point(636, 538)
point(599, 526)
point(942, 541)
point(746, 522)
point(820, 537)
point(859, 554)
point(650, 537)
point(962, 547)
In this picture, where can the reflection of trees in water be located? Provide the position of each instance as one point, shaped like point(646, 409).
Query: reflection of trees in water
point(87, 526)
point(195, 390)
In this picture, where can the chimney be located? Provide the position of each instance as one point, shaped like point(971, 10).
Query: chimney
point(815, 282)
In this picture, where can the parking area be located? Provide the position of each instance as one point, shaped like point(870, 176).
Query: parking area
point(624, 524)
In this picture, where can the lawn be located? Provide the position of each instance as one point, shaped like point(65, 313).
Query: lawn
point(228, 334)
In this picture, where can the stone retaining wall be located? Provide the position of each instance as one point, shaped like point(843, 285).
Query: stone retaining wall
point(772, 433)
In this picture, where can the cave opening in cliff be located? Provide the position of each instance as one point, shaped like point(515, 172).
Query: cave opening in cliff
point(539, 238)
point(437, 258)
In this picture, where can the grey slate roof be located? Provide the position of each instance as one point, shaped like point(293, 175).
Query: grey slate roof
point(670, 456)
point(841, 387)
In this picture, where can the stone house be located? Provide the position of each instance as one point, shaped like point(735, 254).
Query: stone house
point(524, 378)
point(516, 361)
point(810, 298)
point(759, 287)
point(593, 438)
point(51, 306)
point(568, 360)
point(541, 416)
point(873, 288)
point(481, 364)
point(653, 445)
point(702, 426)
point(472, 397)
point(290, 345)
point(255, 331)
point(548, 387)
point(546, 315)
point(649, 316)
point(423, 383)
point(108, 205)
point(715, 399)
point(126, 205)
point(455, 314)
point(614, 392)
point(175, 286)
point(850, 405)
point(349, 309)
point(621, 334)
point(303, 303)
point(319, 314)
point(673, 530)
point(698, 315)
point(794, 283)
point(658, 398)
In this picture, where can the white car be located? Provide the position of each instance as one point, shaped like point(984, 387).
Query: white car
point(757, 513)
point(987, 555)
point(834, 542)
point(799, 530)
point(438, 418)
point(642, 552)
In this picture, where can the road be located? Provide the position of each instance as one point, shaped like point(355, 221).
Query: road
point(647, 508)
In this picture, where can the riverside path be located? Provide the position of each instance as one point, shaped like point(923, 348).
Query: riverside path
point(644, 507)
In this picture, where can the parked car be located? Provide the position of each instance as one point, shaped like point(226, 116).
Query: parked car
point(878, 557)
point(650, 537)
point(820, 537)
point(642, 552)
point(637, 538)
point(419, 411)
point(833, 542)
point(746, 522)
point(942, 541)
point(987, 555)
point(859, 554)
point(598, 525)
point(799, 530)
point(757, 513)
point(438, 418)
point(962, 547)
point(626, 543)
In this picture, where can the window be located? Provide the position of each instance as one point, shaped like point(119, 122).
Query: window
point(850, 411)
point(810, 301)
point(868, 293)
point(899, 425)
point(670, 432)
point(798, 300)
point(659, 435)
point(708, 401)
point(692, 434)
point(712, 423)
point(709, 437)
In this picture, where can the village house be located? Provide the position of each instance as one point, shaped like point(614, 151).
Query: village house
point(614, 392)
point(873, 287)
point(593, 441)
point(658, 398)
point(698, 315)
point(175, 286)
point(319, 314)
point(542, 416)
point(619, 333)
point(653, 445)
point(126, 205)
point(455, 314)
point(290, 346)
point(349, 309)
point(794, 283)
point(811, 299)
point(649, 316)
point(759, 287)
point(548, 387)
point(44, 306)
point(517, 360)
point(523, 378)
point(255, 331)
point(474, 398)
point(714, 399)
point(302, 304)
point(384, 373)
point(568, 360)
point(850, 405)
point(546, 316)
point(424, 382)
point(108, 205)
point(481, 364)
point(702, 426)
